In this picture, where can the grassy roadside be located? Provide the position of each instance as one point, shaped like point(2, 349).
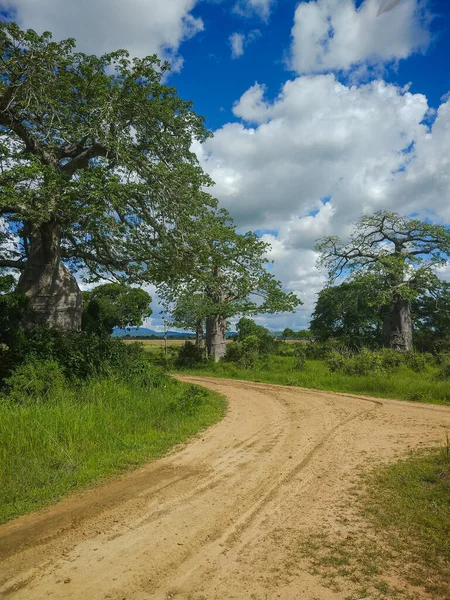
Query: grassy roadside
point(78, 435)
point(396, 544)
point(408, 504)
point(403, 384)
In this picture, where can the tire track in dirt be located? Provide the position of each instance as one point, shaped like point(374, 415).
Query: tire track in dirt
point(205, 521)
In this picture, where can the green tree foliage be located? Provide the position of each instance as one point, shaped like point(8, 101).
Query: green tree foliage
point(431, 314)
point(349, 312)
point(304, 334)
point(400, 254)
point(96, 170)
point(228, 270)
point(252, 342)
point(114, 305)
point(353, 312)
point(189, 311)
point(246, 327)
point(288, 333)
point(13, 305)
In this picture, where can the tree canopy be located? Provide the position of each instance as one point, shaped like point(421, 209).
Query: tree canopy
point(114, 305)
point(189, 311)
point(246, 327)
point(350, 311)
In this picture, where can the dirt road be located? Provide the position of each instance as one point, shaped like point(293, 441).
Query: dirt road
point(205, 523)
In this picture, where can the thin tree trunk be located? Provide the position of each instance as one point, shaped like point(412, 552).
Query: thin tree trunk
point(397, 327)
point(166, 329)
point(199, 335)
point(216, 328)
point(52, 290)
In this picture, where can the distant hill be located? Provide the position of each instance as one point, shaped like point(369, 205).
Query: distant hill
point(144, 332)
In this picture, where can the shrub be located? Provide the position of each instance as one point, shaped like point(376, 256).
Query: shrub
point(190, 401)
point(336, 361)
point(442, 358)
point(417, 361)
point(364, 362)
point(300, 356)
point(244, 353)
point(444, 370)
point(79, 354)
point(234, 352)
point(267, 343)
point(285, 349)
point(189, 355)
point(250, 351)
point(320, 350)
point(391, 359)
point(139, 370)
point(33, 381)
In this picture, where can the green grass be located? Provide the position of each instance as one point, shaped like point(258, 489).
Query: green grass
point(408, 503)
point(393, 541)
point(402, 384)
point(79, 435)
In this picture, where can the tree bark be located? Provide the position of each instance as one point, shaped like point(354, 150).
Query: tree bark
point(397, 327)
point(216, 328)
point(199, 335)
point(52, 290)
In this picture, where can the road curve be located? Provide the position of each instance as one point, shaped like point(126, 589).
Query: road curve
point(205, 522)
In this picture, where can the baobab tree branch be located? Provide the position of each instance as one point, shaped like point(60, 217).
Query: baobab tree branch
point(12, 264)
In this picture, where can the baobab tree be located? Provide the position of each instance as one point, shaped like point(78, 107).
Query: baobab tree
point(400, 255)
point(96, 171)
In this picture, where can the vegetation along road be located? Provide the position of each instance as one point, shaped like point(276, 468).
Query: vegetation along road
point(227, 516)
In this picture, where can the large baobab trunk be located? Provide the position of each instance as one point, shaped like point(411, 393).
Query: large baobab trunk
point(53, 292)
point(216, 328)
point(397, 327)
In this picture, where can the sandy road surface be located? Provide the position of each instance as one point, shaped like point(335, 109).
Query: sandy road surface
point(205, 523)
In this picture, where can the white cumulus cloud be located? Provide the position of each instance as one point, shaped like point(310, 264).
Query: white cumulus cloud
point(237, 44)
point(239, 41)
point(334, 35)
point(141, 26)
point(250, 8)
point(308, 163)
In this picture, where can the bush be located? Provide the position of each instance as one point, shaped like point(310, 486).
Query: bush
point(250, 351)
point(79, 354)
point(336, 361)
point(442, 358)
point(33, 381)
point(234, 352)
point(364, 362)
point(320, 350)
point(285, 349)
point(444, 369)
point(189, 355)
point(300, 356)
point(267, 343)
point(391, 359)
point(245, 353)
point(190, 401)
point(418, 362)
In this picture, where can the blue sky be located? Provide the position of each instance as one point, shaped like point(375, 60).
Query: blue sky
point(221, 80)
point(320, 110)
